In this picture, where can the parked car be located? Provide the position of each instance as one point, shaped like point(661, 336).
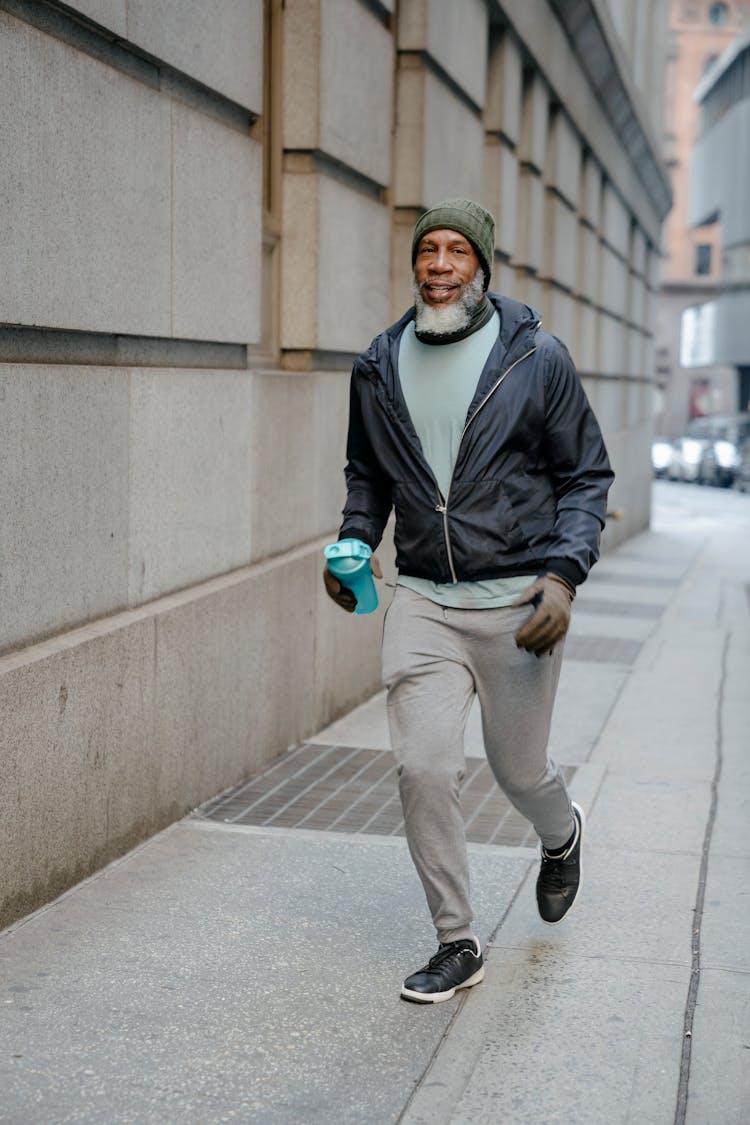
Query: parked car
point(687, 456)
point(742, 471)
point(719, 463)
point(721, 436)
point(662, 454)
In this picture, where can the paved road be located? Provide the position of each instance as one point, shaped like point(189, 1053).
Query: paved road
point(225, 972)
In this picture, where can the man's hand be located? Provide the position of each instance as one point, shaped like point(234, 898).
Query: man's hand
point(340, 594)
point(553, 598)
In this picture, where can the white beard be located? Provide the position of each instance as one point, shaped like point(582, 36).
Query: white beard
point(444, 320)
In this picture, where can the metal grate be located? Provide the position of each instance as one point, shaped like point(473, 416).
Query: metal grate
point(346, 789)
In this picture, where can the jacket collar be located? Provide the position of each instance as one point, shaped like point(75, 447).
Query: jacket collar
point(518, 327)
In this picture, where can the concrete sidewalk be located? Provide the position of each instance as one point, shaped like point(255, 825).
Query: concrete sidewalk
point(240, 973)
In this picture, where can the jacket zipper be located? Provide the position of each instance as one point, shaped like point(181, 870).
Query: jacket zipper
point(442, 505)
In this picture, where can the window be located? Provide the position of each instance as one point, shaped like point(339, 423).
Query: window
point(718, 14)
point(703, 258)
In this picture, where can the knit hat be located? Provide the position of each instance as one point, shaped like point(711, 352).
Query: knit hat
point(467, 217)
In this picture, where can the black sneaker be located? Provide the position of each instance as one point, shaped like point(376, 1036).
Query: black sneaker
point(459, 964)
point(560, 877)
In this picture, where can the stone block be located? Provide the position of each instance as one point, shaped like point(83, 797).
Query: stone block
point(409, 141)
point(563, 162)
point(637, 300)
point(86, 126)
point(220, 45)
point(615, 221)
point(529, 289)
point(235, 675)
point(632, 391)
point(719, 1079)
point(586, 337)
point(299, 251)
point(530, 220)
point(560, 242)
point(191, 462)
point(608, 402)
point(402, 226)
point(638, 246)
point(653, 269)
point(591, 192)
point(301, 95)
point(356, 65)
point(217, 209)
point(724, 933)
point(454, 35)
point(445, 115)
point(552, 995)
point(79, 768)
point(111, 14)
point(504, 279)
point(504, 87)
point(560, 316)
point(354, 267)
point(534, 121)
point(501, 192)
point(427, 111)
point(590, 251)
point(331, 422)
point(611, 345)
point(291, 435)
point(635, 352)
point(614, 282)
point(677, 811)
point(64, 498)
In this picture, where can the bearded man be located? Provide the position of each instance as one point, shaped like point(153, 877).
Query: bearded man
point(472, 424)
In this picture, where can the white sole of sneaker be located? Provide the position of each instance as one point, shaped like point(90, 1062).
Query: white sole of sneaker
point(579, 888)
point(438, 997)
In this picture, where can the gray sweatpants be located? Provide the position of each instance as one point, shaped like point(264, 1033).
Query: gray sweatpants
point(434, 662)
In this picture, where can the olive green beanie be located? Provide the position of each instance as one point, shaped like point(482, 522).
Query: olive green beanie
point(467, 217)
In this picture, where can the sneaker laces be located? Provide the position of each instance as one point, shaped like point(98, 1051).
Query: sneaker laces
point(553, 873)
point(447, 951)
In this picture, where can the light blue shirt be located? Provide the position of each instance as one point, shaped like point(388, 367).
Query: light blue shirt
point(438, 382)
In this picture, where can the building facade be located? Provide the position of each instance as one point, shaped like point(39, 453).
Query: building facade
point(206, 213)
point(700, 31)
point(719, 190)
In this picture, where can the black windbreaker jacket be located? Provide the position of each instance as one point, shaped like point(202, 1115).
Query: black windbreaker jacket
point(529, 487)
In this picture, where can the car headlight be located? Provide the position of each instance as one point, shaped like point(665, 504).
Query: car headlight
point(726, 454)
point(691, 451)
point(661, 454)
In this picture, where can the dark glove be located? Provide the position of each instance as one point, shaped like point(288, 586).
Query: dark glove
point(341, 594)
point(553, 598)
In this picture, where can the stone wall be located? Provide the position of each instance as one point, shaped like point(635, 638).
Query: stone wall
point(203, 220)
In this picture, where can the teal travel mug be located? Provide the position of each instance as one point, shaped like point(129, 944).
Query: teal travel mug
point(349, 561)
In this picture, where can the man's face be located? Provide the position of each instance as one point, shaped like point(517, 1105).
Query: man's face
point(445, 264)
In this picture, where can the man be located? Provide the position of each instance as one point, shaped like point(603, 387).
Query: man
point(471, 423)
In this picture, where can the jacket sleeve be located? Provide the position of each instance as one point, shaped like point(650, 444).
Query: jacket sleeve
point(578, 467)
point(368, 489)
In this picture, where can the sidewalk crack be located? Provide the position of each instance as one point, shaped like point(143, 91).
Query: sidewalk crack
point(692, 996)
